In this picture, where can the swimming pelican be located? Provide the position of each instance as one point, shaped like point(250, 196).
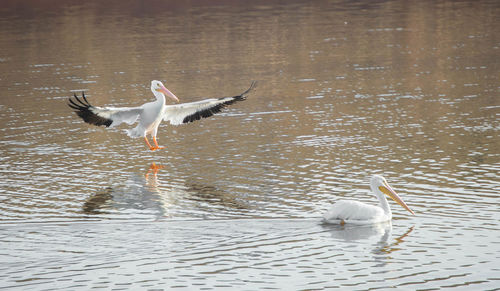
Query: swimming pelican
point(347, 211)
point(151, 114)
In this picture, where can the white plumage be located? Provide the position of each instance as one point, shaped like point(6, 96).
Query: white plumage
point(150, 115)
point(354, 212)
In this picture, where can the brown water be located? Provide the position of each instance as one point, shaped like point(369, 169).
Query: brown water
point(407, 89)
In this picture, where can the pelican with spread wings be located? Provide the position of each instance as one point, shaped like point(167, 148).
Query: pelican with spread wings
point(151, 114)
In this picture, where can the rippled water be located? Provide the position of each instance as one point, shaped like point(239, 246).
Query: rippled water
point(249, 254)
point(346, 89)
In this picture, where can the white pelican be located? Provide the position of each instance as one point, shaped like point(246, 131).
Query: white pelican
point(354, 212)
point(151, 114)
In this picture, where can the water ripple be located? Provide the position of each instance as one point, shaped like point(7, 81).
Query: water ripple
point(264, 253)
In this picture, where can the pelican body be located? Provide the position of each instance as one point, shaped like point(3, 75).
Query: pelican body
point(355, 212)
point(151, 114)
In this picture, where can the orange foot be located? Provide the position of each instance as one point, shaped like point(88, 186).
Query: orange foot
point(155, 147)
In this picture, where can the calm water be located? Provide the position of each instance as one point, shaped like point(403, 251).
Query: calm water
point(407, 89)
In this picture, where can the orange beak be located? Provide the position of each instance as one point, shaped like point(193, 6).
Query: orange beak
point(387, 190)
point(168, 93)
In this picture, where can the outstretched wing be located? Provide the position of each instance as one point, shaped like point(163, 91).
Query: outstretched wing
point(189, 112)
point(108, 116)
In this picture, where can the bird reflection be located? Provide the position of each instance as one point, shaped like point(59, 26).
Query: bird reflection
point(153, 169)
point(350, 233)
point(390, 248)
point(95, 203)
point(383, 249)
point(379, 232)
point(146, 194)
point(211, 194)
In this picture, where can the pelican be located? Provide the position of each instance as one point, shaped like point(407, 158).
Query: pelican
point(354, 212)
point(151, 114)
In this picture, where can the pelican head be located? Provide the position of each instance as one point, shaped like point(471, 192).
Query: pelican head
point(157, 86)
point(380, 187)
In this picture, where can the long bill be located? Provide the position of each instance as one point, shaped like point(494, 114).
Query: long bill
point(387, 190)
point(169, 94)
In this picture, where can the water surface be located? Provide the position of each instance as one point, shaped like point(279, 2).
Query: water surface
point(346, 89)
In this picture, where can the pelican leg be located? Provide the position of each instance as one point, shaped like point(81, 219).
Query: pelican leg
point(156, 144)
point(149, 145)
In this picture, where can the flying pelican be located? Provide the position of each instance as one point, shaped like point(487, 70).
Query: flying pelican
point(151, 114)
point(354, 212)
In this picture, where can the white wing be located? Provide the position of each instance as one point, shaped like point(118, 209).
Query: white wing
point(347, 210)
point(189, 112)
point(108, 116)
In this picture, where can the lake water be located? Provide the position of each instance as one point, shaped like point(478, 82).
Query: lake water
point(347, 89)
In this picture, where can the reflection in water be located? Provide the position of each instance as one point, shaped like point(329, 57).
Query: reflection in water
point(145, 193)
point(383, 252)
point(137, 193)
point(350, 233)
point(95, 203)
point(211, 194)
point(379, 233)
point(390, 248)
point(153, 169)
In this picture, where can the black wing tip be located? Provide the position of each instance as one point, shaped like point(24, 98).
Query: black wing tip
point(204, 113)
point(252, 88)
point(83, 110)
point(218, 108)
point(242, 96)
